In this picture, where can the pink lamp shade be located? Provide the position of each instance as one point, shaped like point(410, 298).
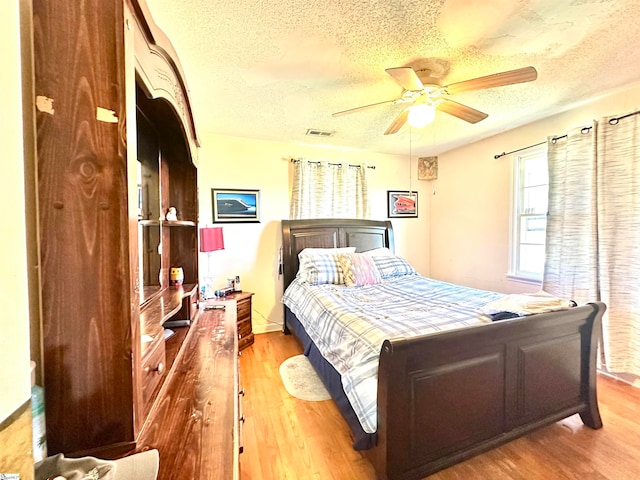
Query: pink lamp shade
point(211, 239)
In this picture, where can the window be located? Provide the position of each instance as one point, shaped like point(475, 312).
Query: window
point(529, 225)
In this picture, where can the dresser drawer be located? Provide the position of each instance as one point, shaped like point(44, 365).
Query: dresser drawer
point(153, 372)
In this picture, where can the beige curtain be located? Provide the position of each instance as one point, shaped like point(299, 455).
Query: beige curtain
point(619, 240)
point(328, 190)
point(571, 269)
point(593, 230)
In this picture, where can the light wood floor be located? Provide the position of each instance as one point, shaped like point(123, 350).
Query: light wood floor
point(287, 438)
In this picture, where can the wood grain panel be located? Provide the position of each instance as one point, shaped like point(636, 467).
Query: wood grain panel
point(368, 238)
point(193, 422)
point(549, 372)
point(83, 223)
point(480, 414)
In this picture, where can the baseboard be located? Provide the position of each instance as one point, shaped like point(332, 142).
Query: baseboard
point(632, 380)
point(269, 328)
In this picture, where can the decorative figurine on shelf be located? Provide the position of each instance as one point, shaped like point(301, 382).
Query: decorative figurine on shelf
point(172, 214)
point(176, 276)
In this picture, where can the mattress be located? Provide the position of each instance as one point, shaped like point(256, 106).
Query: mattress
point(349, 324)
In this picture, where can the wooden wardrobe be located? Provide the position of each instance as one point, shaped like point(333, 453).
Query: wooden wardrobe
point(116, 147)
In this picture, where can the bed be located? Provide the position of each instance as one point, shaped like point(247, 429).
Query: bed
point(447, 396)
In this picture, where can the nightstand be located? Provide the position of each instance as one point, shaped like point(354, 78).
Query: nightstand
point(243, 308)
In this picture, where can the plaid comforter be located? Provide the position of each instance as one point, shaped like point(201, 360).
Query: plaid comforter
point(349, 324)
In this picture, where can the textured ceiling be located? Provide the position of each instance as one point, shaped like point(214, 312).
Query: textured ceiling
point(271, 69)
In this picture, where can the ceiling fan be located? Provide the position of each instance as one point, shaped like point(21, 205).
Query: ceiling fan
point(431, 96)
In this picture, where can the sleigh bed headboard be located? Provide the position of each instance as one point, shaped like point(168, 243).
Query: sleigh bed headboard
point(330, 233)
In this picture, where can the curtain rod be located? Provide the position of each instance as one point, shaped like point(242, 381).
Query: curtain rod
point(517, 150)
point(584, 130)
point(297, 160)
point(612, 121)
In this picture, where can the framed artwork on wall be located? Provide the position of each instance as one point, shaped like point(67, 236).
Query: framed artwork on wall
point(402, 203)
point(428, 168)
point(235, 206)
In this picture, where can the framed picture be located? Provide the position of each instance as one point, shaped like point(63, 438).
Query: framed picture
point(402, 203)
point(232, 205)
point(428, 168)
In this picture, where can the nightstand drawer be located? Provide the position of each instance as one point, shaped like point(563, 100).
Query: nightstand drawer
point(244, 309)
point(245, 340)
point(244, 327)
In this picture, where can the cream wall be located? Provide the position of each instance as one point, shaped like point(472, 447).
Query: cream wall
point(251, 249)
point(470, 211)
point(14, 321)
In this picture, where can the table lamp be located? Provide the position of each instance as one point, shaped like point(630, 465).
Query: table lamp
point(211, 239)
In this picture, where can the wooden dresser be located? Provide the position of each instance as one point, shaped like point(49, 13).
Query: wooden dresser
point(245, 327)
point(196, 420)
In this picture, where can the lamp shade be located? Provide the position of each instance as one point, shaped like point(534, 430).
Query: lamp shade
point(421, 115)
point(211, 239)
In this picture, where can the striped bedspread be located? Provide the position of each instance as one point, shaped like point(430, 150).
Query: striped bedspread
point(349, 324)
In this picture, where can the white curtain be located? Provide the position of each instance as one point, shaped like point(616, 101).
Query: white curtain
point(328, 190)
point(619, 241)
point(571, 269)
point(593, 230)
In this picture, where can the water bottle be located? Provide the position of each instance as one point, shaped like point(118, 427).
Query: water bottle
point(38, 419)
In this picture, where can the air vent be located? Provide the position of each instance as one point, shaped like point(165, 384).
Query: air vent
point(319, 133)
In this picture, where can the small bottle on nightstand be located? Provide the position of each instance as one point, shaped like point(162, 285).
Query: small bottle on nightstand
point(236, 285)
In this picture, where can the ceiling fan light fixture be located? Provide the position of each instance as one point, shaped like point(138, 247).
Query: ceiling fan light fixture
point(421, 115)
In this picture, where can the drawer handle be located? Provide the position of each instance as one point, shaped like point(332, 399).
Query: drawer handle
point(241, 419)
point(241, 393)
point(159, 369)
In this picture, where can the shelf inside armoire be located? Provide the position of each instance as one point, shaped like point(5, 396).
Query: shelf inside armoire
point(161, 308)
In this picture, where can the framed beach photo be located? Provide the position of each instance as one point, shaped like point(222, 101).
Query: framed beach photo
point(235, 206)
point(402, 203)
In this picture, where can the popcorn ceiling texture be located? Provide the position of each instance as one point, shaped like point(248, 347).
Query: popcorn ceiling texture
point(272, 69)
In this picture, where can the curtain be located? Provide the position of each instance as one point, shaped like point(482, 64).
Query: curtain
point(593, 230)
point(328, 190)
point(619, 241)
point(571, 269)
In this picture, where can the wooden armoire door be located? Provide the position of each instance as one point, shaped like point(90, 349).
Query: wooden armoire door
point(88, 330)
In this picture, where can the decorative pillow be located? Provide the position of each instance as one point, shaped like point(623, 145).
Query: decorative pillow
point(320, 265)
point(392, 266)
point(358, 269)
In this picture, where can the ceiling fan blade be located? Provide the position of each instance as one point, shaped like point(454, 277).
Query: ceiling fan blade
point(520, 75)
point(463, 112)
point(399, 121)
point(406, 77)
point(357, 109)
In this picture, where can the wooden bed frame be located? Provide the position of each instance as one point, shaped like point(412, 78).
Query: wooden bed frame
point(445, 397)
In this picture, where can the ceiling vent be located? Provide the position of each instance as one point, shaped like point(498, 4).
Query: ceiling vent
point(319, 133)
